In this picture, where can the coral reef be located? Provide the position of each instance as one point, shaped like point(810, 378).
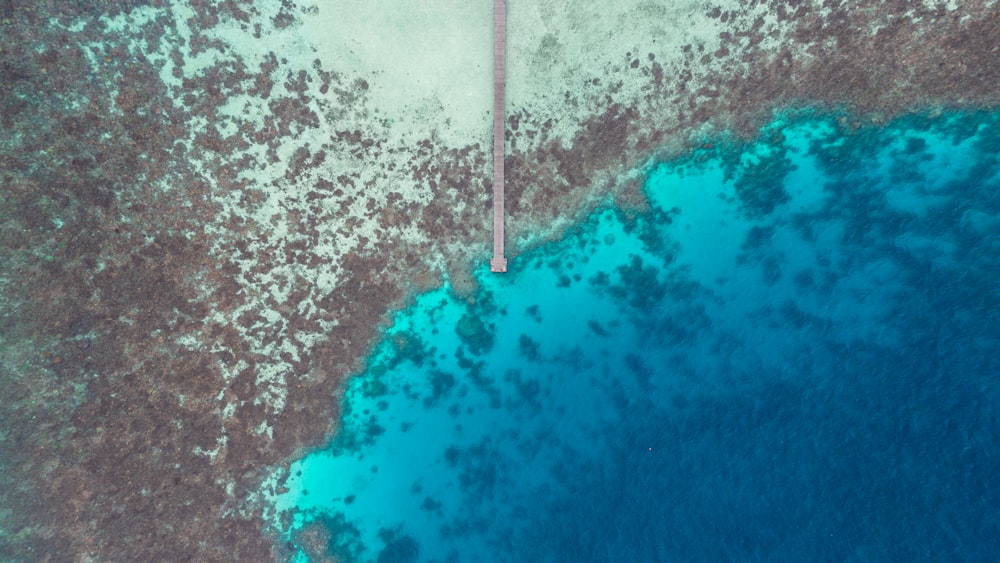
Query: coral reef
point(201, 242)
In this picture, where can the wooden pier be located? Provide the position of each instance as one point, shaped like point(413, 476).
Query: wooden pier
point(499, 261)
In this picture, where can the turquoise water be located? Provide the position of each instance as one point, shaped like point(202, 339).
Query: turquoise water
point(791, 356)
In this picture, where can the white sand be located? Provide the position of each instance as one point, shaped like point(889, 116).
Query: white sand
point(555, 47)
point(429, 65)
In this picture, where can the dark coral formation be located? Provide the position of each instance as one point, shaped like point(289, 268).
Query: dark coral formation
point(119, 439)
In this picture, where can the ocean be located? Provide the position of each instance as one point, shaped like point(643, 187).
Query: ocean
point(791, 355)
point(750, 314)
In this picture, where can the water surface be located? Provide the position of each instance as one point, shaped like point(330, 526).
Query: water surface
point(791, 356)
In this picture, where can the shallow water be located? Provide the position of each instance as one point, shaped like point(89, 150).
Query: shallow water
point(791, 356)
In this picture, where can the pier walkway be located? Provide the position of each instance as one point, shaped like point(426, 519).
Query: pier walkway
point(499, 261)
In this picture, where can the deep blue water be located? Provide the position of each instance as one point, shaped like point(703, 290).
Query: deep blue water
point(792, 357)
